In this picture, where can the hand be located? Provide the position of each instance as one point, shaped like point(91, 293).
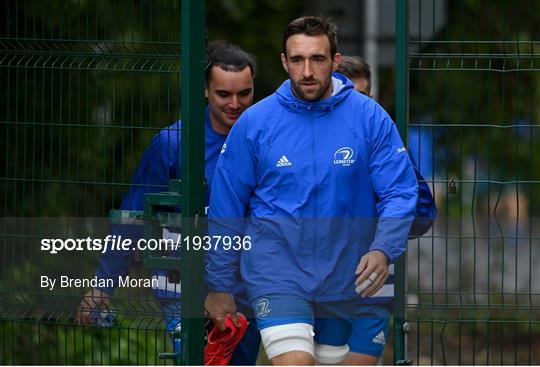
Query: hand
point(218, 305)
point(92, 300)
point(372, 272)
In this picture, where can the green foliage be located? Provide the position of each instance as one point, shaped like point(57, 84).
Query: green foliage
point(92, 81)
point(478, 85)
point(258, 27)
point(37, 325)
point(37, 342)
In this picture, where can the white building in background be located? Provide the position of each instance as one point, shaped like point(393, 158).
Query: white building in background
point(367, 27)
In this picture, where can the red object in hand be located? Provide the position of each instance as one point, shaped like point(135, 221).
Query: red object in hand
point(221, 344)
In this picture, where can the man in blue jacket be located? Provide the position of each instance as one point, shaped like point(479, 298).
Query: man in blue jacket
point(229, 89)
point(318, 179)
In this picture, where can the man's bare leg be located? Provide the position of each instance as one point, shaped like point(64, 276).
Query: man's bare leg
point(359, 359)
point(294, 358)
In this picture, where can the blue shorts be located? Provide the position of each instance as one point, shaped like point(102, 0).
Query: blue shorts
point(369, 330)
point(335, 323)
point(330, 320)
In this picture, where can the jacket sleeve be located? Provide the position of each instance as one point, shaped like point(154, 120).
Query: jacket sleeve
point(232, 186)
point(159, 162)
point(394, 181)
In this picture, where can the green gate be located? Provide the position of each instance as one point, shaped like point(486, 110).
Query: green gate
point(468, 94)
point(85, 86)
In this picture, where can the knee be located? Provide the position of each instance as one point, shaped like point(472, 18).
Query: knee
point(294, 358)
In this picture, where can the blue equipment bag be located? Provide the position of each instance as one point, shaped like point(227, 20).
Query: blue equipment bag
point(426, 211)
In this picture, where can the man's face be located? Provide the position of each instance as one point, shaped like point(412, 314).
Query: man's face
point(310, 65)
point(229, 93)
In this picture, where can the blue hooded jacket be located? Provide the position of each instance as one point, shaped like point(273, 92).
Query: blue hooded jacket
point(315, 186)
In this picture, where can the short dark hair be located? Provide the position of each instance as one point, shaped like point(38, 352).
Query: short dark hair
point(228, 57)
point(311, 26)
point(355, 67)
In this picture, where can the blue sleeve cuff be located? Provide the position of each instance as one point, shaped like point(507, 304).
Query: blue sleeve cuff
point(382, 249)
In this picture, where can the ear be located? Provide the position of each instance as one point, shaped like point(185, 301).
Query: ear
point(336, 61)
point(206, 91)
point(284, 62)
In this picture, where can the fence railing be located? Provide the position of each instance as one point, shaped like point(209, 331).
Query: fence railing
point(472, 294)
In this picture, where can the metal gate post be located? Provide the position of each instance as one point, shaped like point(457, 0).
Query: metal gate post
point(402, 115)
point(193, 192)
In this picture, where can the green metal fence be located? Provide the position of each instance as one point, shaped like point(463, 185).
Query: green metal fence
point(472, 290)
point(85, 86)
point(87, 83)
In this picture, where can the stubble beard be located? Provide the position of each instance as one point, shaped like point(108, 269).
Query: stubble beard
point(315, 95)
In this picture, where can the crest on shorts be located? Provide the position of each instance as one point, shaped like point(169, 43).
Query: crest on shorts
point(262, 308)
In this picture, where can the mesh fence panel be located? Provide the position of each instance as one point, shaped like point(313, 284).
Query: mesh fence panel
point(473, 293)
point(85, 86)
